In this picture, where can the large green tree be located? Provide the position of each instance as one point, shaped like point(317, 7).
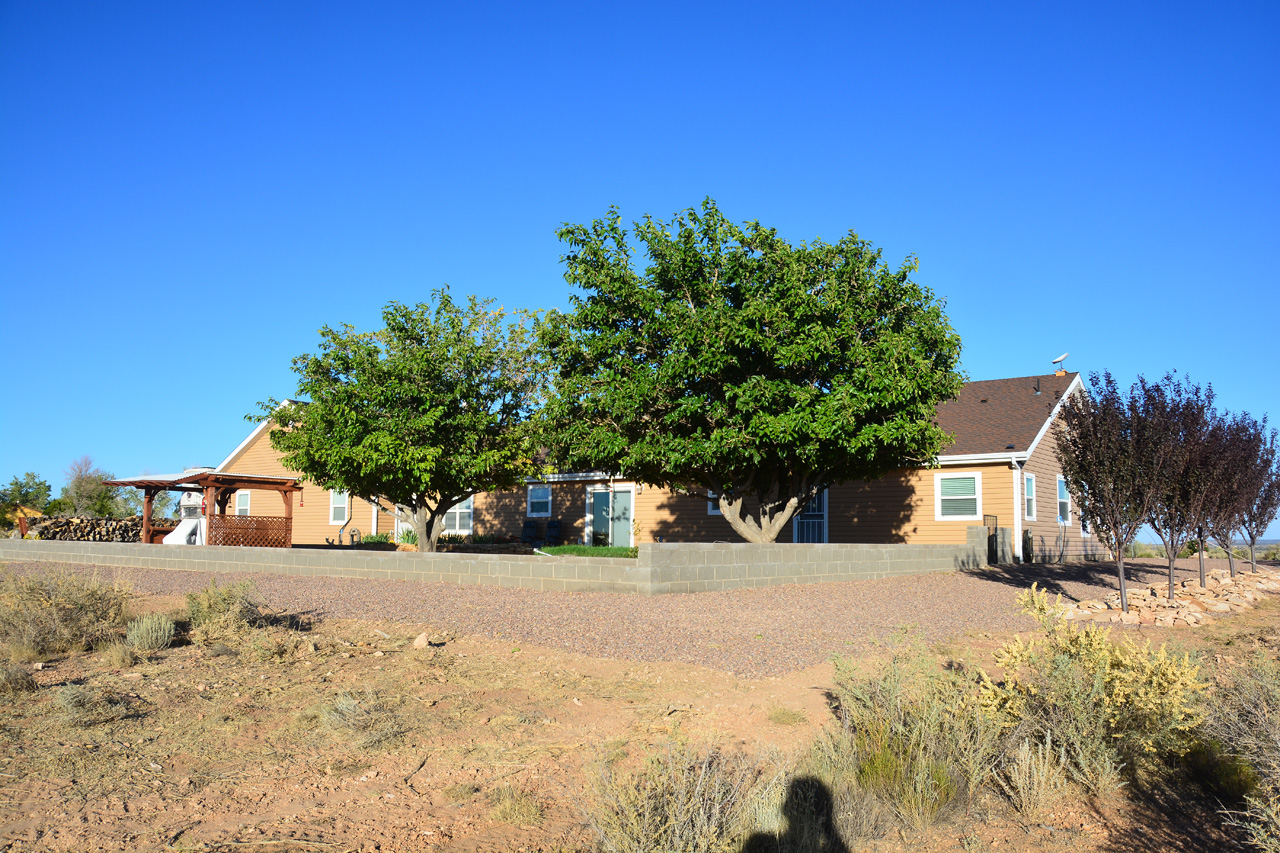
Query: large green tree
point(741, 367)
point(431, 409)
point(26, 491)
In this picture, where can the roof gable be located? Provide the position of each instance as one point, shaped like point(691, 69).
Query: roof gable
point(1002, 416)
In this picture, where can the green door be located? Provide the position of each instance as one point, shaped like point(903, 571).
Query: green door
point(600, 517)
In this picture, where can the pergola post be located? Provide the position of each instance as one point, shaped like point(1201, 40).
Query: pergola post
point(147, 495)
point(210, 507)
point(288, 515)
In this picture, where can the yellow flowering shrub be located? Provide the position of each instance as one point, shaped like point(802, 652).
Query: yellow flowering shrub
point(1145, 699)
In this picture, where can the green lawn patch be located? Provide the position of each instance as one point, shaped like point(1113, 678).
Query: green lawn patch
point(588, 551)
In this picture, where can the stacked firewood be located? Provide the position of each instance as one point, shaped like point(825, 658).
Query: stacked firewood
point(88, 529)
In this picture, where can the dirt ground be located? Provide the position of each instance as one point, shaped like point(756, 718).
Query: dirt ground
point(227, 748)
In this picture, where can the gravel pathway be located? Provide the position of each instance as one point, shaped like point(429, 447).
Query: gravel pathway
point(752, 633)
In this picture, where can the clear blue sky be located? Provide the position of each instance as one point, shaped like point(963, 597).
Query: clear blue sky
point(188, 191)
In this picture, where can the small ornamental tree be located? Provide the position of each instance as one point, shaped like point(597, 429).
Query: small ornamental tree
point(1184, 429)
point(1109, 456)
point(1241, 445)
point(426, 412)
point(742, 368)
point(1262, 489)
point(26, 491)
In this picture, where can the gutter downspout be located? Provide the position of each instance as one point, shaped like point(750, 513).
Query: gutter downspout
point(1017, 508)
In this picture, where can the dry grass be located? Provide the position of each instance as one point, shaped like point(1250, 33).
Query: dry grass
point(1034, 778)
point(366, 719)
point(15, 679)
point(84, 706)
point(512, 805)
point(151, 632)
point(119, 655)
point(781, 715)
point(51, 612)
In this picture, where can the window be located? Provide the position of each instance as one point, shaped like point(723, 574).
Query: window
point(1029, 513)
point(1064, 502)
point(338, 507)
point(242, 503)
point(958, 497)
point(539, 502)
point(713, 503)
point(458, 520)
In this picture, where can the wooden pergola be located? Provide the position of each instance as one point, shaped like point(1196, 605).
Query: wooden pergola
point(218, 487)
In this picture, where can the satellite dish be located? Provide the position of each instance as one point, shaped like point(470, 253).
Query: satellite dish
point(1061, 358)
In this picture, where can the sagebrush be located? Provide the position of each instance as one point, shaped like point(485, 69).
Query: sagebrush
point(51, 612)
point(151, 632)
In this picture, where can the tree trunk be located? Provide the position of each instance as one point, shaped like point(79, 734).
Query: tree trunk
point(1201, 550)
point(1173, 558)
point(1124, 590)
point(1253, 559)
point(760, 528)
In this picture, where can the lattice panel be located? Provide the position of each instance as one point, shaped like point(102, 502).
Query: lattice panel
point(258, 531)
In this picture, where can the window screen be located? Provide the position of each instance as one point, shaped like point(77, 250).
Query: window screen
point(959, 496)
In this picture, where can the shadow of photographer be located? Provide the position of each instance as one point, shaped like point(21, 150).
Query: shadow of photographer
point(809, 811)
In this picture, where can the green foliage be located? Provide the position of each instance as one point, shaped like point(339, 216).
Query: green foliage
point(150, 632)
point(590, 551)
point(739, 364)
point(376, 539)
point(231, 605)
point(28, 491)
point(45, 613)
point(431, 409)
point(408, 537)
point(86, 493)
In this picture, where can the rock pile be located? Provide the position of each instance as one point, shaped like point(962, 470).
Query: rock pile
point(89, 529)
point(1191, 604)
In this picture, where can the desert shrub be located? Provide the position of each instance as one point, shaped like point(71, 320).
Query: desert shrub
point(56, 612)
point(150, 632)
point(234, 604)
point(1244, 722)
point(84, 706)
point(15, 679)
point(366, 719)
point(1271, 552)
point(1033, 777)
point(119, 655)
point(1106, 703)
point(912, 734)
point(679, 801)
point(796, 813)
point(511, 805)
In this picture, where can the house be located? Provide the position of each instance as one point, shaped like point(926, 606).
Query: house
point(1002, 470)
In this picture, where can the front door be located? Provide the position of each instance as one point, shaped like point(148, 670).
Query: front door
point(610, 517)
point(810, 524)
point(620, 520)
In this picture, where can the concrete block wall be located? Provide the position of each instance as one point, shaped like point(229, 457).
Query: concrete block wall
point(659, 569)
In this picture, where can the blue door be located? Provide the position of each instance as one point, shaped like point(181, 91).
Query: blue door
point(811, 523)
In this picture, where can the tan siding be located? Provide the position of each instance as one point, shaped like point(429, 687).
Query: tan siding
point(310, 513)
point(900, 507)
point(1049, 541)
point(668, 516)
point(503, 514)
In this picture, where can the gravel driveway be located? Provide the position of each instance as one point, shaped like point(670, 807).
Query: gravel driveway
point(752, 633)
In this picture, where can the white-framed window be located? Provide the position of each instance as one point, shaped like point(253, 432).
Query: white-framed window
point(242, 503)
point(1029, 503)
point(338, 506)
point(957, 497)
point(539, 505)
point(458, 520)
point(713, 503)
point(1064, 502)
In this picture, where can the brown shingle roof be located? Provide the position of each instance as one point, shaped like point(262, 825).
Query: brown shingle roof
point(1001, 415)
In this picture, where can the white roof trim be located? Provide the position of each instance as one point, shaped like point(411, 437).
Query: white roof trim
point(974, 458)
point(570, 478)
point(1076, 385)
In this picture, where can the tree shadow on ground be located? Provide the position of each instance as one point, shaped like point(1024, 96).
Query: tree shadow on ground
point(809, 810)
point(1073, 581)
point(1170, 815)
